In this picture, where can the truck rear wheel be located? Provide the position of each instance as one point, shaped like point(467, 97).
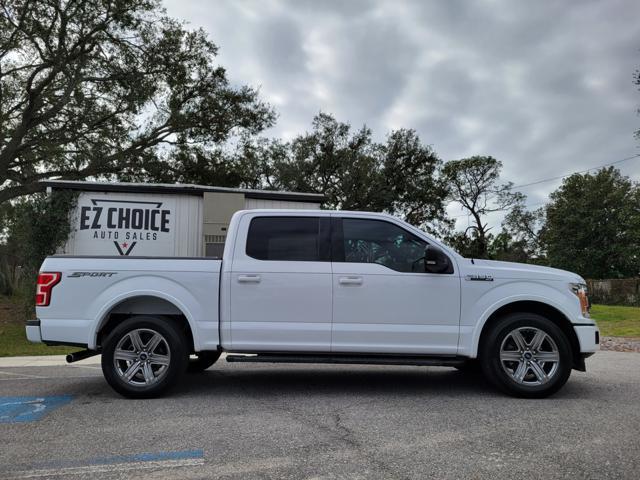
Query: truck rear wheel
point(526, 355)
point(144, 356)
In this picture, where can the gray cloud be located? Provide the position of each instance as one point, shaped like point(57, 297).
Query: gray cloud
point(546, 87)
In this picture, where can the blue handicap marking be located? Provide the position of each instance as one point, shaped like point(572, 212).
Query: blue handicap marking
point(29, 409)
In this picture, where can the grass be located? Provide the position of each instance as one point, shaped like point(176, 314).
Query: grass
point(617, 321)
point(13, 343)
point(13, 338)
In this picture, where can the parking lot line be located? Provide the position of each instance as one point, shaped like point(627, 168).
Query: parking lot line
point(22, 375)
point(117, 463)
point(27, 376)
point(93, 469)
point(29, 409)
point(47, 378)
point(44, 361)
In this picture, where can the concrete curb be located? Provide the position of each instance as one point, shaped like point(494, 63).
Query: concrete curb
point(44, 361)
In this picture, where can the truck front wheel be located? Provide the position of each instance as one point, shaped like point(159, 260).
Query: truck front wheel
point(526, 355)
point(144, 356)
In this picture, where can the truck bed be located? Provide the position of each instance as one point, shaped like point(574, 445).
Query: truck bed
point(93, 287)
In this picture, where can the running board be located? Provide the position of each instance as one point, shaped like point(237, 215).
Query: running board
point(431, 361)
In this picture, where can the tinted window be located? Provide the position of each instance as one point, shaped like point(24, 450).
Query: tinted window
point(284, 238)
point(376, 241)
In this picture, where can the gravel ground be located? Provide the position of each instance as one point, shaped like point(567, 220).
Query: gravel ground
point(326, 422)
point(620, 344)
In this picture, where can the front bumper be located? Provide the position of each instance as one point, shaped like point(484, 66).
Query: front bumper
point(33, 331)
point(588, 337)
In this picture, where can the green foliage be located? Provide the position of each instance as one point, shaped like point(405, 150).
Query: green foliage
point(467, 243)
point(593, 225)
point(333, 160)
point(504, 247)
point(201, 166)
point(109, 88)
point(41, 225)
point(34, 227)
point(411, 183)
point(521, 235)
point(8, 280)
point(355, 173)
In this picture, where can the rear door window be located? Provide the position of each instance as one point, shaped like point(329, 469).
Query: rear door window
point(295, 239)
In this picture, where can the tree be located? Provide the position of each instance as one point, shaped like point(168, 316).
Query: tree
point(33, 227)
point(522, 228)
point(330, 160)
point(410, 181)
point(214, 166)
point(473, 183)
point(593, 225)
point(518, 241)
point(96, 88)
point(467, 243)
point(355, 173)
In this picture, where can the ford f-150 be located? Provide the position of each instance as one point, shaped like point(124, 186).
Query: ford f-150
point(317, 286)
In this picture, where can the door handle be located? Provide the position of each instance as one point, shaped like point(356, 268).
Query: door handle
point(350, 280)
point(249, 278)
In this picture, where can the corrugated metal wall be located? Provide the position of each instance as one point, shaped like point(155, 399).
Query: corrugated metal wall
point(189, 236)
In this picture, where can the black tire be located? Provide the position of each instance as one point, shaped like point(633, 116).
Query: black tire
point(504, 374)
point(202, 361)
point(171, 350)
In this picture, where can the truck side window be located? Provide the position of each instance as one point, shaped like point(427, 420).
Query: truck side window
point(377, 241)
point(284, 239)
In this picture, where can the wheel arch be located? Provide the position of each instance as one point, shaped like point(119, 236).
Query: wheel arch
point(143, 303)
point(541, 308)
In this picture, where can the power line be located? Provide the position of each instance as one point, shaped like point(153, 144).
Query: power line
point(537, 182)
point(501, 210)
point(574, 173)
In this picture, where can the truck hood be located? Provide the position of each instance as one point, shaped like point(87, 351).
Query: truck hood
point(512, 270)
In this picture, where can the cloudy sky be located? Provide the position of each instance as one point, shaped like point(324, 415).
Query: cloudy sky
point(546, 87)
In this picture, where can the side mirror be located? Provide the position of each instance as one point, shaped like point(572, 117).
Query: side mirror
point(436, 261)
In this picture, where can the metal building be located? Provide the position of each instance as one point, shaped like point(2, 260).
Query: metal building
point(143, 219)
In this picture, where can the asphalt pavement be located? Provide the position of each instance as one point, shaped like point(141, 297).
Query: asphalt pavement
point(320, 422)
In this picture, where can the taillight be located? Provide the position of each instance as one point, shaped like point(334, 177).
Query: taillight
point(44, 285)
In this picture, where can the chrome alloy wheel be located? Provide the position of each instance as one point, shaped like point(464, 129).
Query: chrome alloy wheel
point(529, 356)
point(142, 357)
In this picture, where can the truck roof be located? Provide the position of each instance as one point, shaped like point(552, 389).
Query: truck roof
point(342, 213)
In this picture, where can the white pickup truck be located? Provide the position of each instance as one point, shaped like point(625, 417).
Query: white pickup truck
point(317, 287)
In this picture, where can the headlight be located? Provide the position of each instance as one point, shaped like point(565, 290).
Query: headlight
point(580, 290)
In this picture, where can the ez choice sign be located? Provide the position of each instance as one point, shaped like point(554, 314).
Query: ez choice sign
point(124, 224)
